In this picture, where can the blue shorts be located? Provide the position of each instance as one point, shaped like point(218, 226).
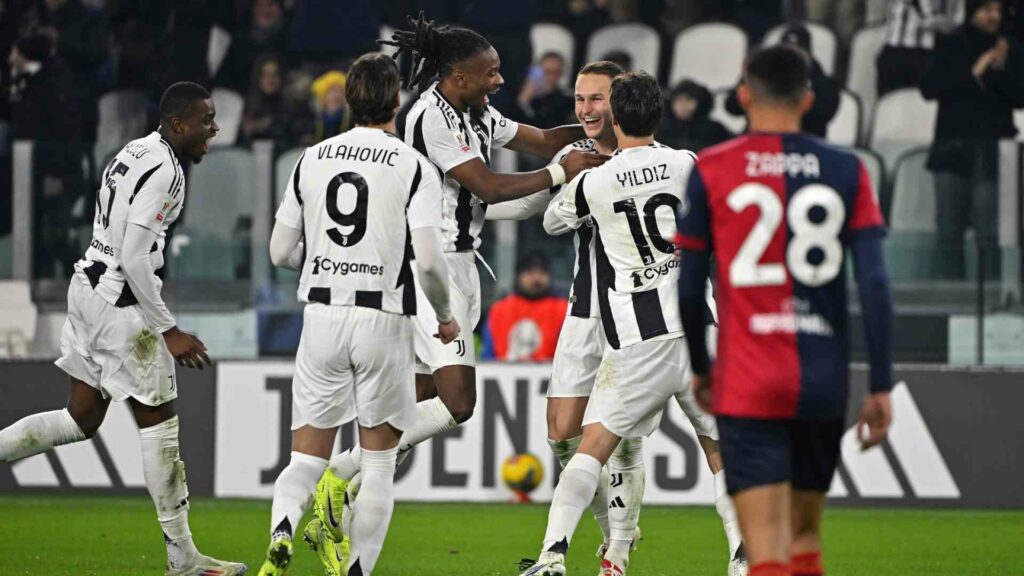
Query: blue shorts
point(762, 452)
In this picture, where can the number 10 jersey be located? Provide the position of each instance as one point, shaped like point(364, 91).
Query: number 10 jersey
point(356, 197)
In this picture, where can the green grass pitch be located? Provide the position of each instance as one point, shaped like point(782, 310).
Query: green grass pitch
point(107, 536)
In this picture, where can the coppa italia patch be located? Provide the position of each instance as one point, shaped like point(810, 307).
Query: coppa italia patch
point(462, 142)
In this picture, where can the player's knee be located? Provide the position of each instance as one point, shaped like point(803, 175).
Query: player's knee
point(628, 454)
point(461, 410)
point(88, 422)
point(563, 426)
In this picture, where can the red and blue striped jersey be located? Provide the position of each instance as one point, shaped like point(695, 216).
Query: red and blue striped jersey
point(779, 211)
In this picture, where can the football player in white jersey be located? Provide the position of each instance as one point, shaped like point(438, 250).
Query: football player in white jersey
point(364, 202)
point(630, 201)
point(119, 341)
point(453, 125)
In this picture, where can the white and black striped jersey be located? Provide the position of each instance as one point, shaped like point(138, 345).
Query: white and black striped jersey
point(145, 185)
point(632, 201)
point(448, 138)
point(356, 197)
point(582, 295)
point(911, 23)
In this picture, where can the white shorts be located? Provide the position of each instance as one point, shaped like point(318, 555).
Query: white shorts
point(464, 293)
point(581, 345)
point(353, 363)
point(634, 383)
point(114, 350)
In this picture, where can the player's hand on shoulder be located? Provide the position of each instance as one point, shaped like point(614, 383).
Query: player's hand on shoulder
point(577, 161)
point(448, 331)
point(875, 417)
point(186, 349)
point(702, 391)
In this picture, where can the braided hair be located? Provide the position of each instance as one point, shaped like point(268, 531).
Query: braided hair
point(434, 49)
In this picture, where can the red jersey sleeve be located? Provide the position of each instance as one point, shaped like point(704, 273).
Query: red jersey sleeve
point(866, 214)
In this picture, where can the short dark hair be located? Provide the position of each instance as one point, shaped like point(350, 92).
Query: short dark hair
point(602, 67)
point(780, 74)
point(371, 89)
point(178, 99)
point(637, 103)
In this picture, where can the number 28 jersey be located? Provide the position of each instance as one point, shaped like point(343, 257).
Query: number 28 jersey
point(356, 197)
point(779, 211)
point(631, 200)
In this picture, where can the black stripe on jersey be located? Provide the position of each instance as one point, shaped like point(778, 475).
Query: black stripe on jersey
point(370, 299)
point(321, 295)
point(441, 103)
point(405, 272)
point(179, 173)
point(127, 297)
point(419, 143)
point(581, 285)
point(605, 282)
point(649, 317)
point(142, 181)
point(295, 178)
point(463, 220)
point(94, 271)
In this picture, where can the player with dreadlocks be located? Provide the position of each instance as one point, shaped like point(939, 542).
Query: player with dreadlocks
point(453, 125)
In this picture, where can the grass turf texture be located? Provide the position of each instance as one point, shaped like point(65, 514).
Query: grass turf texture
point(76, 535)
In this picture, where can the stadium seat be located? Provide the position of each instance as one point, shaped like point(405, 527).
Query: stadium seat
point(385, 34)
point(862, 75)
point(711, 54)
point(229, 106)
point(6, 257)
point(641, 42)
point(17, 318)
point(220, 41)
point(282, 171)
point(736, 124)
point(122, 118)
point(875, 11)
point(548, 37)
point(903, 120)
point(1018, 121)
point(911, 248)
point(824, 45)
point(845, 125)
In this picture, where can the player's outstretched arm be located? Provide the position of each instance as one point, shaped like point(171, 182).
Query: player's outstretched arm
point(545, 143)
point(286, 247)
point(520, 208)
point(553, 223)
point(876, 304)
point(494, 187)
point(433, 276)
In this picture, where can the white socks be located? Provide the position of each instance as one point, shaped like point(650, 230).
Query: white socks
point(432, 418)
point(564, 450)
point(371, 513)
point(165, 478)
point(38, 433)
point(293, 491)
point(574, 493)
point(625, 496)
point(728, 513)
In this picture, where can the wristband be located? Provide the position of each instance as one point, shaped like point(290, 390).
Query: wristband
point(557, 174)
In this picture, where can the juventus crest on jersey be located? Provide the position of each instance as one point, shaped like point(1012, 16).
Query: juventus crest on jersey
point(144, 185)
point(632, 201)
point(356, 197)
point(448, 138)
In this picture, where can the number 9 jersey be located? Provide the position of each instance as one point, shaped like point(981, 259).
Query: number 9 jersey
point(779, 211)
point(356, 197)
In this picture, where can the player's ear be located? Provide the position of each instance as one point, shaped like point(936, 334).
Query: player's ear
point(744, 96)
point(807, 101)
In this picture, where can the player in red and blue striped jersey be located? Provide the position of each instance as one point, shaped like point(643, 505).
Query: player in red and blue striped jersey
point(778, 210)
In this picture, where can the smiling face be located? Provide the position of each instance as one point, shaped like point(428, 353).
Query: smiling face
point(593, 108)
point(478, 77)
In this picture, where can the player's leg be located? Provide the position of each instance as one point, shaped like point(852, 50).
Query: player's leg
point(817, 447)
point(40, 432)
point(764, 515)
point(627, 481)
point(371, 513)
point(805, 551)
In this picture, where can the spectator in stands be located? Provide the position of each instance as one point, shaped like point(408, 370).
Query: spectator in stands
point(44, 109)
point(826, 89)
point(977, 76)
point(332, 115)
point(266, 34)
point(80, 37)
point(266, 110)
point(525, 325)
point(687, 124)
point(910, 29)
point(543, 100)
point(620, 57)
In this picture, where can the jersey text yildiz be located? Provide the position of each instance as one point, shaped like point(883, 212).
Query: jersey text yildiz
point(356, 197)
point(449, 138)
point(631, 201)
point(779, 212)
point(142, 185)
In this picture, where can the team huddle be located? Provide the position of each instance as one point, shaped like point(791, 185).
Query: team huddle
point(384, 231)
